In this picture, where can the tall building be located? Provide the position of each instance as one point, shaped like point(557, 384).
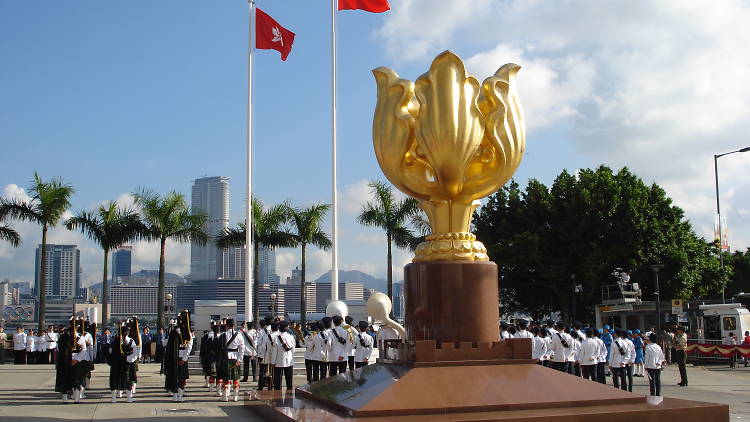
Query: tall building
point(267, 266)
point(234, 264)
point(63, 266)
point(122, 259)
point(141, 300)
point(210, 196)
point(213, 289)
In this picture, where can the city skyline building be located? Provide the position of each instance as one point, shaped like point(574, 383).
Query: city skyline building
point(122, 259)
point(141, 300)
point(210, 196)
point(63, 268)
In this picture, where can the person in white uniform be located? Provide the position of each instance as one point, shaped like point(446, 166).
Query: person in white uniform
point(250, 355)
point(283, 357)
point(363, 346)
point(340, 348)
point(234, 348)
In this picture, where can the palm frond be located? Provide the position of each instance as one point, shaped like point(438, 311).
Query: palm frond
point(14, 209)
point(232, 237)
point(8, 234)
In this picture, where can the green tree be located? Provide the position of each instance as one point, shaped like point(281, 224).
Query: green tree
point(306, 224)
point(49, 201)
point(578, 231)
point(8, 234)
point(168, 217)
point(268, 230)
point(109, 226)
point(739, 261)
point(391, 215)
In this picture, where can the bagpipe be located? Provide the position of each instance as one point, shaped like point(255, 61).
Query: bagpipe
point(185, 325)
point(134, 327)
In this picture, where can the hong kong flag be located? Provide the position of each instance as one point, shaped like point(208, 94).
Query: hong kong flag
point(269, 35)
point(374, 6)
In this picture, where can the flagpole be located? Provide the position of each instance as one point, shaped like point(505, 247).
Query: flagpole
point(248, 199)
point(334, 205)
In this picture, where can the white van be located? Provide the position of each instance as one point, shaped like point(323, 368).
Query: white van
point(722, 319)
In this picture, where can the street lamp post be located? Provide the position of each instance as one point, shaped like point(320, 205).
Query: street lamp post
point(655, 268)
point(168, 308)
point(273, 304)
point(718, 209)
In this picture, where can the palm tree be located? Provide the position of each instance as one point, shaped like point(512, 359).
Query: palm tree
point(12, 236)
point(268, 231)
point(306, 223)
point(110, 227)
point(49, 201)
point(168, 217)
point(391, 215)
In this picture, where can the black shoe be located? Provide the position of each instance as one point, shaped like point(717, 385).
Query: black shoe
point(243, 380)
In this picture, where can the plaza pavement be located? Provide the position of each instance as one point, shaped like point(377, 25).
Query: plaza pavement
point(26, 394)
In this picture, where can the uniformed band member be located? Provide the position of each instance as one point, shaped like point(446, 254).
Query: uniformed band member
point(319, 355)
point(619, 357)
point(176, 355)
point(208, 355)
point(134, 330)
point(363, 346)
point(338, 358)
point(64, 367)
point(351, 346)
point(250, 356)
point(81, 360)
point(282, 357)
point(230, 363)
point(327, 328)
point(265, 349)
point(308, 342)
point(123, 355)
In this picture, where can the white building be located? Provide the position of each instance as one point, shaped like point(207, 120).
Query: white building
point(210, 196)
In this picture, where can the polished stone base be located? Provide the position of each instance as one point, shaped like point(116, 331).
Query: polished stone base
point(504, 392)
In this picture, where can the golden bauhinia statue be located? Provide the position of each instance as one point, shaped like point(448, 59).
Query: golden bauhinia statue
point(447, 141)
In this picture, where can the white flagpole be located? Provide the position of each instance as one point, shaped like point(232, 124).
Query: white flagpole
point(248, 197)
point(334, 205)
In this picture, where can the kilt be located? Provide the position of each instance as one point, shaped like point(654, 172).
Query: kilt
point(79, 372)
point(183, 372)
point(209, 369)
point(235, 371)
point(133, 373)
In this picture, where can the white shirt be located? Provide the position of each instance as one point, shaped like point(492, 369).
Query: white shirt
point(387, 333)
point(133, 355)
point(729, 341)
point(83, 355)
point(653, 356)
point(617, 359)
point(548, 348)
point(250, 338)
point(575, 352)
point(52, 340)
point(183, 351)
point(329, 350)
point(352, 338)
point(265, 349)
point(581, 335)
point(322, 343)
point(19, 341)
point(362, 353)
point(590, 352)
point(523, 334)
point(40, 342)
point(90, 346)
point(30, 343)
point(602, 350)
point(504, 335)
point(631, 351)
point(235, 346)
point(309, 343)
point(281, 357)
point(538, 348)
point(560, 352)
point(338, 350)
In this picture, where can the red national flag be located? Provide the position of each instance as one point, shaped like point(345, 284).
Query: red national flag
point(269, 35)
point(374, 6)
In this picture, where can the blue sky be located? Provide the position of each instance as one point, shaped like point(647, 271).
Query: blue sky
point(116, 95)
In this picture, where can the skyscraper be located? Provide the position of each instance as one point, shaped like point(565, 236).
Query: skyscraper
point(210, 196)
point(267, 265)
point(121, 262)
point(234, 265)
point(63, 265)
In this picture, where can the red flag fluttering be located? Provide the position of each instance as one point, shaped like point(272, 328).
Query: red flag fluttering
point(374, 6)
point(269, 35)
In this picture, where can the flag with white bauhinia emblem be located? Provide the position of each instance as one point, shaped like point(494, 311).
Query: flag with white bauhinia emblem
point(269, 35)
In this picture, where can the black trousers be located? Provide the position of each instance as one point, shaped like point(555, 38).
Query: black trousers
point(262, 376)
point(323, 369)
point(351, 363)
point(19, 357)
point(277, 371)
point(576, 368)
point(560, 366)
point(654, 381)
point(619, 378)
point(629, 372)
point(589, 372)
point(336, 367)
point(247, 363)
point(360, 364)
point(2, 354)
point(545, 363)
point(600, 377)
point(309, 370)
point(680, 357)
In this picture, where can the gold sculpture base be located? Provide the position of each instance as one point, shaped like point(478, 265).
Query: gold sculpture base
point(462, 246)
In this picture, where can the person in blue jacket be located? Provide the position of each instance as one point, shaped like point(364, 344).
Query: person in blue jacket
point(638, 343)
point(607, 339)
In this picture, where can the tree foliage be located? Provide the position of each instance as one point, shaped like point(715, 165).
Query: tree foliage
point(585, 226)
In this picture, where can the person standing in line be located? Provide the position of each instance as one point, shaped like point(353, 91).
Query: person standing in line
point(234, 348)
point(207, 359)
point(122, 357)
point(680, 346)
point(161, 343)
point(52, 343)
point(607, 340)
point(283, 357)
point(321, 345)
point(618, 359)
point(146, 339)
point(561, 348)
point(63, 364)
point(522, 332)
point(3, 339)
point(602, 360)
point(364, 346)
point(327, 331)
point(250, 354)
point(504, 334)
point(538, 346)
point(308, 342)
point(653, 360)
point(351, 346)
point(631, 358)
point(575, 355)
point(80, 361)
point(19, 346)
point(589, 356)
point(730, 341)
point(547, 337)
point(265, 353)
point(667, 345)
point(42, 353)
point(30, 348)
point(638, 343)
point(746, 345)
point(339, 351)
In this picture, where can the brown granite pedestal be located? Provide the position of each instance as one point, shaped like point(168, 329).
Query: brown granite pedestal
point(453, 367)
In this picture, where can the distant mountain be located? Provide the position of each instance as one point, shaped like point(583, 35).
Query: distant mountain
point(354, 276)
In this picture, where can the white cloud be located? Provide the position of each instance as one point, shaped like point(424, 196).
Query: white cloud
point(658, 86)
point(354, 196)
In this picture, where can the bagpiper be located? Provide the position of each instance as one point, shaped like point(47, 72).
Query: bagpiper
point(123, 357)
point(176, 356)
point(230, 362)
point(208, 356)
point(134, 329)
point(64, 367)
